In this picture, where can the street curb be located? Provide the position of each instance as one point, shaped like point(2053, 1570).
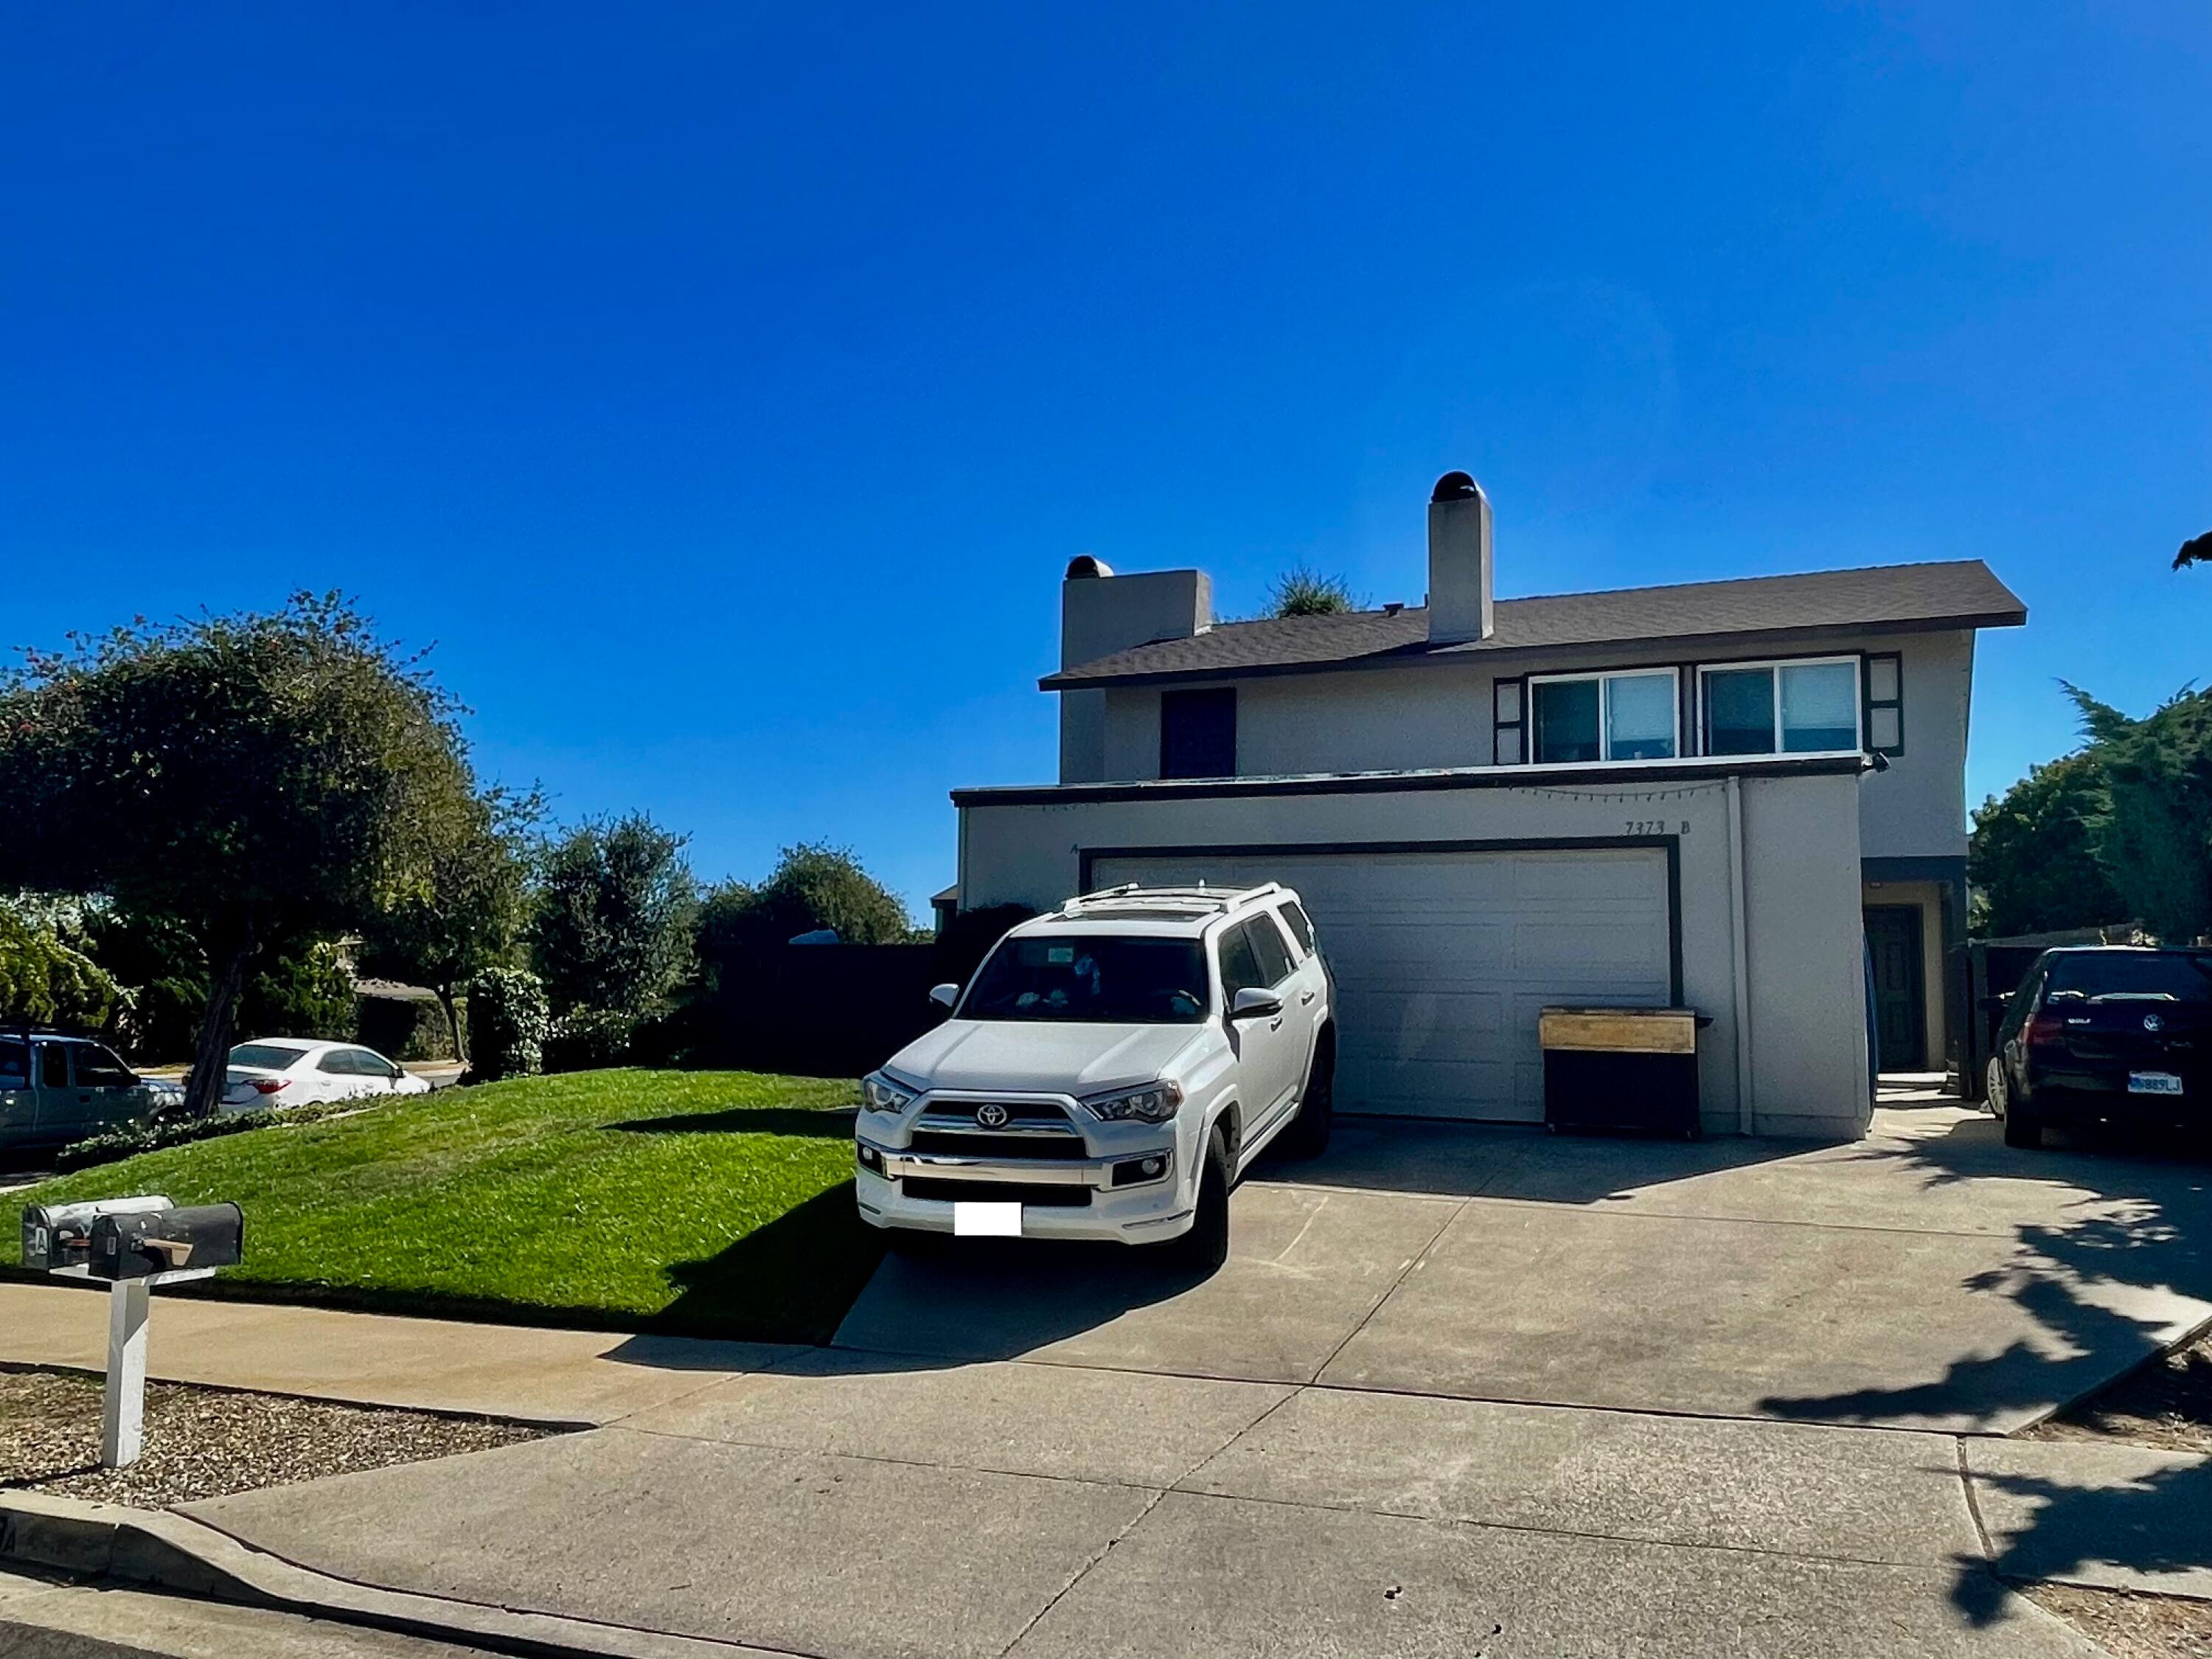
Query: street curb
point(152, 1549)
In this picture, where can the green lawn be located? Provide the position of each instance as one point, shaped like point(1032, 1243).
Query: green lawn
point(712, 1203)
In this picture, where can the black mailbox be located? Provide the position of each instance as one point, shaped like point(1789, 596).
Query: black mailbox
point(151, 1242)
point(58, 1237)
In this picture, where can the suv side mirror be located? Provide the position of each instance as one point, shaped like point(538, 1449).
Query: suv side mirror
point(945, 995)
point(1253, 1003)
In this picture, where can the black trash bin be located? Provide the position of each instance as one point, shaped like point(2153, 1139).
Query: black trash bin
point(1621, 1070)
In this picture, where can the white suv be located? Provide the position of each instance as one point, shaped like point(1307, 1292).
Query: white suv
point(1109, 1072)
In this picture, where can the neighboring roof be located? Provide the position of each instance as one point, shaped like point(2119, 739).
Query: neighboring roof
point(1882, 598)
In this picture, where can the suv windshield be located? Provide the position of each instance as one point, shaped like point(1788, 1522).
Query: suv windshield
point(1107, 978)
point(2149, 976)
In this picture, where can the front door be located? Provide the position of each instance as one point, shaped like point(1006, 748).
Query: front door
point(1900, 1006)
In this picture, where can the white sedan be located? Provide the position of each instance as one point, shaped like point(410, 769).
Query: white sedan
point(294, 1072)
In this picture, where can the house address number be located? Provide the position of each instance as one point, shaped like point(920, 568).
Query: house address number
point(1657, 827)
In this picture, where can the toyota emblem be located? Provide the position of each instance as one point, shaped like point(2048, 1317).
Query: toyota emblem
point(2154, 1022)
point(992, 1116)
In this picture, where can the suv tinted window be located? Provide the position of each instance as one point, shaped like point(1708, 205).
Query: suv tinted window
point(1275, 963)
point(98, 1068)
point(1108, 978)
point(1240, 964)
point(1301, 929)
point(15, 1066)
point(53, 1066)
point(2133, 975)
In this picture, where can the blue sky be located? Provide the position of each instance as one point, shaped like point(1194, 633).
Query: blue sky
point(724, 388)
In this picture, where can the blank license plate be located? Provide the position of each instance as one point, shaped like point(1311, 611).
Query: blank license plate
point(2154, 1083)
point(972, 1219)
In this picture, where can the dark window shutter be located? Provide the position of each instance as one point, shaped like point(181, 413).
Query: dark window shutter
point(1885, 702)
point(1198, 733)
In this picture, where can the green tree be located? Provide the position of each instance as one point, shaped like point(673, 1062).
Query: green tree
point(2032, 856)
point(254, 778)
point(2156, 834)
point(813, 886)
point(1300, 591)
point(611, 922)
point(467, 916)
point(45, 978)
point(301, 990)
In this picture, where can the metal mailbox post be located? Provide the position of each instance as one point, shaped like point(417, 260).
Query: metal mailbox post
point(133, 1243)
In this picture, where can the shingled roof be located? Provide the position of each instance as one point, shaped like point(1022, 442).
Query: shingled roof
point(1882, 599)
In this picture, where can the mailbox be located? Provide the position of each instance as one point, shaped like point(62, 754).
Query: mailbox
point(143, 1244)
point(58, 1237)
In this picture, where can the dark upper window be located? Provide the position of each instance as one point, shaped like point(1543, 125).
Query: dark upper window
point(1198, 733)
point(15, 1067)
point(1615, 717)
point(1301, 926)
point(1804, 708)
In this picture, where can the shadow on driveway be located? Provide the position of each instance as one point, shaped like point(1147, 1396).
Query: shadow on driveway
point(2101, 1282)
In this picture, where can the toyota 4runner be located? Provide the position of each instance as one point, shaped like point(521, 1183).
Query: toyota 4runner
point(1109, 1072)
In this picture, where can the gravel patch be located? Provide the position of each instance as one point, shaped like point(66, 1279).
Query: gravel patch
point(2167, 1404)
point(2131, 1626)
point(209, 1442)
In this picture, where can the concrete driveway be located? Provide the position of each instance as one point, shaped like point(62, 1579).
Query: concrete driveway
point(1458, 1392)
point(1926, 1277)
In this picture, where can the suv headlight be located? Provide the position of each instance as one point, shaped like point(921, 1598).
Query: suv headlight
point(880, 1093)
point(1155, 1102)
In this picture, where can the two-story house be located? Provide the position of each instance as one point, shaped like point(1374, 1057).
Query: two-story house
point(1745, 796)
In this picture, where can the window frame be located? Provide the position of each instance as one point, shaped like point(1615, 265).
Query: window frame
point(1187, 696)
point(1530, 683)
point(1855, 661)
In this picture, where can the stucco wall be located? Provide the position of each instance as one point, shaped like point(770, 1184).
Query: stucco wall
point(1804, 1023)
point(1438, 715)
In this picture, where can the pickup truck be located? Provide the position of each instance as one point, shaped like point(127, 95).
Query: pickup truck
point(56, 1089)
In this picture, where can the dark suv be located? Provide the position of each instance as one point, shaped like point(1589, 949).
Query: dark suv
point(2105, 1033)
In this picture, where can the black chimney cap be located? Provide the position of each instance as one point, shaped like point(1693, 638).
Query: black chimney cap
point(1455, 487)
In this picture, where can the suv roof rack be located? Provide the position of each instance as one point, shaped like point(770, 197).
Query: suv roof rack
point(1134, 896)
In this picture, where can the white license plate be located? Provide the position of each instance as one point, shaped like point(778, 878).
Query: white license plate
point(976, 1220)
point(2154, 1083)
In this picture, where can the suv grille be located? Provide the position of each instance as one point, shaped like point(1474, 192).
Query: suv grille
point(959, 1114)
point(1042, 1148)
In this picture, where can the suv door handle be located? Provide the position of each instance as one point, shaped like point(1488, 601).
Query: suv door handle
point(1305, 998)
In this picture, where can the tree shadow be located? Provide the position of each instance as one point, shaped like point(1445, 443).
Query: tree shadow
point(2116, 1281)
point(815, 1122)
point(2156, 1523)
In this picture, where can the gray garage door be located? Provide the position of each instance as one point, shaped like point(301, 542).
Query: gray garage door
point(1442, 959)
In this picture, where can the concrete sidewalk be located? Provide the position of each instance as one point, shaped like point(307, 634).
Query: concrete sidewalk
point(854, 1504)
point(571, 1377)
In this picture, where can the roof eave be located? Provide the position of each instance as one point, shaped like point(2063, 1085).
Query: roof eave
point(1076, 681)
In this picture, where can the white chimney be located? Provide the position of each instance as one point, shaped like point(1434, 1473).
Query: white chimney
point(1459, 561)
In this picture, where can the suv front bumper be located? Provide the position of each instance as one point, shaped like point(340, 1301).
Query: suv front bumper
point(1098, 1198)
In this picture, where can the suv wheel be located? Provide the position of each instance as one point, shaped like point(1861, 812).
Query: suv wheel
point(2022, 1128)
point(1994, 1087)
point(1206, 1246)
point(1306, 1135)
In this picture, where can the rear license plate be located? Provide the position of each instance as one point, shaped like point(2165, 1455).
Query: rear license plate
point(2154, 1083)
point(974, 1220)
